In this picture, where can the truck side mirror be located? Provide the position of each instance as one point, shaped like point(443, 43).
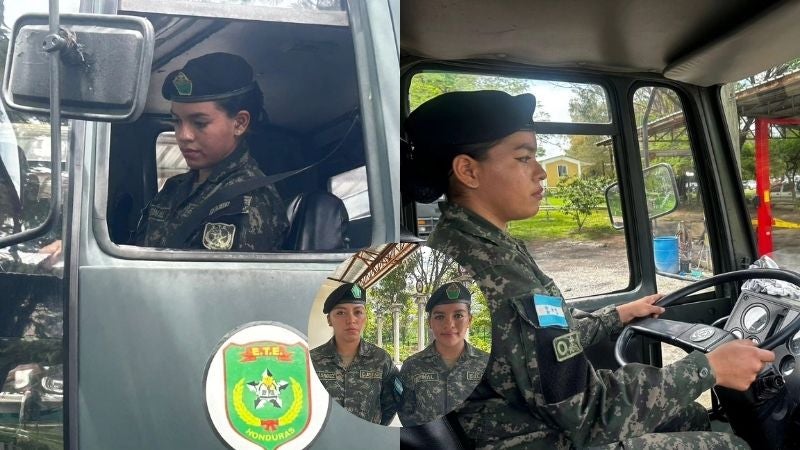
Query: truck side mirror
point(661, 192)
point(104, 70)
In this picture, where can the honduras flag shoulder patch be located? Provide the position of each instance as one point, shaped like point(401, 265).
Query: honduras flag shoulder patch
point(550, 311)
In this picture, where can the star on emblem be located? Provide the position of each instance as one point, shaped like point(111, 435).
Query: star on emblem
point(218, 236)
point(267, 390)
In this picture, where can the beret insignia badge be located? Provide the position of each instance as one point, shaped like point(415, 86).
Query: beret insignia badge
point(452, 291)
point(182, 84)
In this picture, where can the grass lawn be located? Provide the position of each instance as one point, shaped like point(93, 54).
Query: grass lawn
point(554, 225)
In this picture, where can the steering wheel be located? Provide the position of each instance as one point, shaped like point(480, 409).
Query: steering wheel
point(700, 336)
point(766, 415)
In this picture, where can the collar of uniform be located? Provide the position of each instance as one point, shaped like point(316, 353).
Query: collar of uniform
point(469, 222)
point(363, 347)
point(430, 351)
point(236, 158)
point(469, 351)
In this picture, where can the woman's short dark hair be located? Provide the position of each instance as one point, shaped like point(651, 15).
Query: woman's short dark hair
point(252, 102)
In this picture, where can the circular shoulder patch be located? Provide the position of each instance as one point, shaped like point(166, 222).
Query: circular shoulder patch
point(260, 393)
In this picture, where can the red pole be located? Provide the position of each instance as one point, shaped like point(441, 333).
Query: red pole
point(764, 229)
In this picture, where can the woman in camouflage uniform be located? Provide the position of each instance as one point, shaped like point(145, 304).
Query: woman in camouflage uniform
point(540, 391)
point(224, 202)
point(359, 375)
point(440, 377)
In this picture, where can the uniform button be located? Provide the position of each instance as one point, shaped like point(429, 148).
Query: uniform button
point(703, 372)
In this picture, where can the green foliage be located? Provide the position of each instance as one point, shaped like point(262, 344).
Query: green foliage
point(555, 225)
point(588, 105)
point(405, 350)
point(581, 196)
point(480, 332)
point(784, 158)
point(427, 85)
point(653, 103)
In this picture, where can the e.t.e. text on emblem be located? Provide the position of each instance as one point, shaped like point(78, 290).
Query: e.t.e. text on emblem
point(259, 390)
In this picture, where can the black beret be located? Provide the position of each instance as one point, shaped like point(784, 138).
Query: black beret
point(449, 293)
point(438, 129)
point(346, 293)
point(209, 77)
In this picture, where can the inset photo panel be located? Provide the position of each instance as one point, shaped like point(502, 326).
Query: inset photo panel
point(400, 334)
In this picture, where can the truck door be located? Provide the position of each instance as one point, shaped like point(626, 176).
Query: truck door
point(141, 326)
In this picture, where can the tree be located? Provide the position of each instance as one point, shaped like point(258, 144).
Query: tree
point(427, 85)
point(589, 105)
point(480, 332)
point(389, 290)
point(581, 196)
point(787, 157)
point(784, 160)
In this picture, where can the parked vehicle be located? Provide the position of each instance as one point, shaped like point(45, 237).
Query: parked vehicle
point(136, 329)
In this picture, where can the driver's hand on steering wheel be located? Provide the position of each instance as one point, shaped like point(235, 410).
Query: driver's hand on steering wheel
point(737, 363)
point(640, 308)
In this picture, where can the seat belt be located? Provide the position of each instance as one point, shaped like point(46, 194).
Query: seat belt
point(183, 232)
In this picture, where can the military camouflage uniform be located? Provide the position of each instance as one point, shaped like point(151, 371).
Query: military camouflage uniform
point(259, 216)
point(530, 400)
point(431, 389)
point(366, 387)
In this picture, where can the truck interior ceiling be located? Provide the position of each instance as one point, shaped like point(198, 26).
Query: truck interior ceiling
point(307, 73)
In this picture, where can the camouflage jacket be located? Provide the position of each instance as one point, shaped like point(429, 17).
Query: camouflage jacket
point(531, 397)
point(255, 221)
point(366, 387)
point(431, 389)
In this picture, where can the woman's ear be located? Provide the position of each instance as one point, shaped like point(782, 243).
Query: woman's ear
point(240, 122)
point(466, 170)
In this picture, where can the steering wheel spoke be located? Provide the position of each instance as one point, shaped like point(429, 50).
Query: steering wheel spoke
point(699, 336)
point(695, 336)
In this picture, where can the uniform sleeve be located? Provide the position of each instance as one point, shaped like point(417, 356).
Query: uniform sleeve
point(632, 400)
point(598, 325)
point(264, 228)
point(545, 367)
point(407, 398)
point(389, 398)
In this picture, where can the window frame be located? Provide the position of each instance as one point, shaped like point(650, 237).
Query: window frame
point(373, 113)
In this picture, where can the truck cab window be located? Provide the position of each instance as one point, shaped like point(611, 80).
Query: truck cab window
point(572, 228)
point(766, 135)
point(307, 130)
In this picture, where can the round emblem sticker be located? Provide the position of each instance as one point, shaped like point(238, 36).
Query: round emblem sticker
point(259, 390)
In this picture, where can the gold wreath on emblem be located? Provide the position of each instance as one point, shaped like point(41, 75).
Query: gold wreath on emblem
point(251, 419)
point(218, 236)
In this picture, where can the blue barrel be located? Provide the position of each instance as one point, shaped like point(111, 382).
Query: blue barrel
point(666, 253)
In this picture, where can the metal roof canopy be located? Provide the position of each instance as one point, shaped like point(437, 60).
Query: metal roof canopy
point(368, 266)
point(775, 99)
